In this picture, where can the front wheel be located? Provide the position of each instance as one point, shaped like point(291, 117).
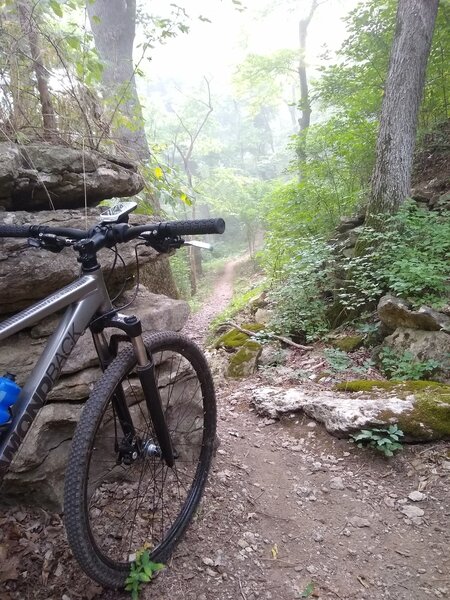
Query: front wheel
point(117, 503)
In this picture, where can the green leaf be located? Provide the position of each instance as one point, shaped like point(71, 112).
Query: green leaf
point(184, 198)
point(96, 20)
point(73, 42)
point(56, 7)
point(309, 589)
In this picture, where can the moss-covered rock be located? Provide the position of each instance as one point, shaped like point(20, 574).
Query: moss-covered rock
point(402, 387)
point(348, 343)
point(236, 339)
point(244, 362)
point(428, 417)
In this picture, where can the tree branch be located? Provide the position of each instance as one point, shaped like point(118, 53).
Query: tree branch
point(283, 339)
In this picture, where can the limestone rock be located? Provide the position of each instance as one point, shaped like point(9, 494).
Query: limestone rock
point(157, 312)
point(234, 338)
point(347, 223)
point(263, 315)
point(424, 415)
point(29, 274)
point(42, 176)
point(20, 353)
point(394, 312)
point(423, 345)
point(348, 343)
point(243, 363)
point(37, 472)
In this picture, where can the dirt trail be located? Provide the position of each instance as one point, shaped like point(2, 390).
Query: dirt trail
point(291, 512)
point(197, 325)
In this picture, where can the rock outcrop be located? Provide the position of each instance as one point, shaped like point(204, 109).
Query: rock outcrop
point(421, 411)
point(43, 176)
point(30, 274)
point(395, 312)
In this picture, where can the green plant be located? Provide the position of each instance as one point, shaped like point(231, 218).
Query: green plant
point(403, 366)
point(386, 441)
point(142, 571)
point(337, 359)
point(300, 307)
point(409, 257)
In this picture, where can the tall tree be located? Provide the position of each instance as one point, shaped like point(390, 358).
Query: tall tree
point(113, 24)
point(399, 112)
point(28, 25)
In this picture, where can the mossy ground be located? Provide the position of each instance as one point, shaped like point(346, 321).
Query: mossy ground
point(349, 343)
point(402, 387)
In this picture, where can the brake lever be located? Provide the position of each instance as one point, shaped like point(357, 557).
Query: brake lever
point(49, 241)
point(162, 245)
point(198, 244)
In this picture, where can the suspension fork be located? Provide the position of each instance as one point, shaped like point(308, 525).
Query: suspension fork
point(145, 370)
point(146, 374)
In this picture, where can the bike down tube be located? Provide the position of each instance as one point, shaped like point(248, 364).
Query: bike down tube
point(85, 297)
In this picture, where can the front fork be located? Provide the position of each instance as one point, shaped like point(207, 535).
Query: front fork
point(145, 370)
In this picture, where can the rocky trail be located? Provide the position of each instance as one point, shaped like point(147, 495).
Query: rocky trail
point(292, 512)
point(289, 512)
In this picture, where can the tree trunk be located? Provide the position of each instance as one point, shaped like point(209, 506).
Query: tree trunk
point(399, 112)
point(28, 27)
point(113, 24)
point(305, 104)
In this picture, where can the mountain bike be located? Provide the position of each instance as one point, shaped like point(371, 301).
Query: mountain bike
point(142, 449)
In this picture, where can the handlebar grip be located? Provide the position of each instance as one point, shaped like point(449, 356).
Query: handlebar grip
point(25, 231)
point(198, 227)
point(15, 231)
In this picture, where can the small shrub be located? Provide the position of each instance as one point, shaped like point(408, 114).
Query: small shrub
point(142, 571)
point(300, 307)
point(386, 441)
point(404, 366)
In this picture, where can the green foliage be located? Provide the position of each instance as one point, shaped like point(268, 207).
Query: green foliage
point(261, 80)
point(409, 257)
point(386, 441)
point(142, 571)
point(403, 366)
point(301, 309)
point(337, 359)
point(179, 264)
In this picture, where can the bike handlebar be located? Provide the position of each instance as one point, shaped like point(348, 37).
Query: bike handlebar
point(120, 232)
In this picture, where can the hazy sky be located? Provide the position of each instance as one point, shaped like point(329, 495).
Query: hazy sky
point(213, 49)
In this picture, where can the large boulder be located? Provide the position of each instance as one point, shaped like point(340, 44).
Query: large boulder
point(422, 346)
point(29, 274)
point(20, 353)
point(45, 176)
point(421, 409)
point(245, 361)
point(395, 312)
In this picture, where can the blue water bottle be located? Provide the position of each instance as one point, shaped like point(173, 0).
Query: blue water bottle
point(9, 392)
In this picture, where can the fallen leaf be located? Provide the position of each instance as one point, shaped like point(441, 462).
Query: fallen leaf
point(274, 551)
point(9, 569)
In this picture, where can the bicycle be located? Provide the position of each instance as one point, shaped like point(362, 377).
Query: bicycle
point(142, 449)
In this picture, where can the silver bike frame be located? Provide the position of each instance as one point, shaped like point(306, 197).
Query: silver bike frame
point(84, 298)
